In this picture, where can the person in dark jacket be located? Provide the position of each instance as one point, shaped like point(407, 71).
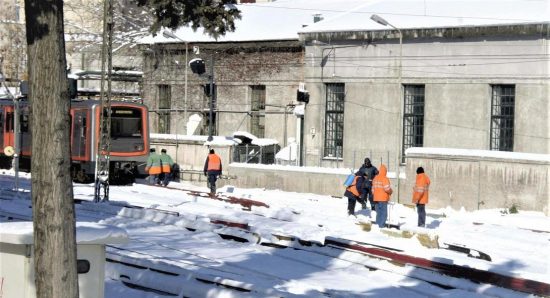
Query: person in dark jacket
point(354, 192)
point(212, 169)
point(370, 172)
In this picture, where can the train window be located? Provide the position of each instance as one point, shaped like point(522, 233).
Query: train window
point(84, 127)
point(126, 123)
point(9, 122)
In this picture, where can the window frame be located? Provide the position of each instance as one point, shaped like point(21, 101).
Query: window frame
point(414, 103)
point(335, 94)
point(165, 102)
point(257, 110)
point(503, 98)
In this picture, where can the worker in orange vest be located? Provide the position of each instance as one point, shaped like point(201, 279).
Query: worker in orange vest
point(212, 169)
point(381, 190)
point(355, 192)
point(153, 167)
point(420, 195)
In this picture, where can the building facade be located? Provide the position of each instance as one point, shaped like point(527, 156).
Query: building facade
point(471, 87)
point(13, 43)
point(255, 87)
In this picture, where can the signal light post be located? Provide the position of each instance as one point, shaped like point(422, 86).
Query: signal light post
point(197, 67)
point(212, 98)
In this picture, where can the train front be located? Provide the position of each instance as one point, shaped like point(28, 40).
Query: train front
point(129, 140)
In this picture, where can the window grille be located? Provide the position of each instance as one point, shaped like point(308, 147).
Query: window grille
point(257, 109)
point(502, 117)
point(334, 120)
point(165, 102)
point(413, 118)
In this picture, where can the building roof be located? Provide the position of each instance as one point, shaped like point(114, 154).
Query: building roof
point(279, 20)
point(285, 19)
point(416, 14)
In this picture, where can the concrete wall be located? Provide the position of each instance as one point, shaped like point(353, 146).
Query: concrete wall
point(456, 66)
point(459, 179)
point(190, 155)
point(482, 182)
point(470, 182)
point(289, 178)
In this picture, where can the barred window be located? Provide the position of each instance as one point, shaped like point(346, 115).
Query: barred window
point(257, 109)
point(502, 117)
point(413, 118)
point(165, 102)
point(334, 120)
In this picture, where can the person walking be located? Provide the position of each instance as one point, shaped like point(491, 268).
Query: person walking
point(153, 167)
point(212, 169)
point(166, 164)
point(382, 191)
point(354, 192)
point(370, 172)
point(420, 195)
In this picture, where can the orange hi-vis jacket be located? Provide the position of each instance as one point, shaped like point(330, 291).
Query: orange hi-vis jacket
point(153, 164)
point(353, 187)
point(214, 162)
point(381, 188)
point(420, 189)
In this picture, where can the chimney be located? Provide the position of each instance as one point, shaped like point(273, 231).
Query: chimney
point(317, 17)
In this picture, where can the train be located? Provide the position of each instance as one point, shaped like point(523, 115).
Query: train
point(129, 138)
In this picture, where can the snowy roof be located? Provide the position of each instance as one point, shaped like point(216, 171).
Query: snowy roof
point(284, 19)
point(86, 233)
point(247, 137)
point(279, 20)
point(409, 14)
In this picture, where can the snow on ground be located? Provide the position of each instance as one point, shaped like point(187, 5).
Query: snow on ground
point(517, 243)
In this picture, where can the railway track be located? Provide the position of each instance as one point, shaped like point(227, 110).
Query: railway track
point(133, 269)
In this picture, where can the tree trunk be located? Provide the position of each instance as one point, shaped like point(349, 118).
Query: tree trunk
point(52, 191)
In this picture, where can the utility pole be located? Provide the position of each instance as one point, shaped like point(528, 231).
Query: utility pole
point(103, 149)
point(212, 99)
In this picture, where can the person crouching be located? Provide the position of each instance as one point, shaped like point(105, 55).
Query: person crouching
point(354, 192)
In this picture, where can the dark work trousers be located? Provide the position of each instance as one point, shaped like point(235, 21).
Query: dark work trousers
point(165, 178)
point(421, 210)
point(351, 204)
point(212, 182)
point(368, 194)
point(381, 213)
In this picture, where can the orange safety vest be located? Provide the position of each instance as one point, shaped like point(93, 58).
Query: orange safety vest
point(352, 188)
point(420, 189)
point(214, 162)
point(381, 188)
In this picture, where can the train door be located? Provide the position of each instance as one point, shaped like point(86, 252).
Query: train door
point(8, 133)
point(79, 134)
point(2, 146)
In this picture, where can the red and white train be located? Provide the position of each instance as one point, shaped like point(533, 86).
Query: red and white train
point(129, 138)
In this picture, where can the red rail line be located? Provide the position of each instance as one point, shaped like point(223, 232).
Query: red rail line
point(476, 275)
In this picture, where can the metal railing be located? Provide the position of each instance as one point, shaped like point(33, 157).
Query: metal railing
point(254, 154)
